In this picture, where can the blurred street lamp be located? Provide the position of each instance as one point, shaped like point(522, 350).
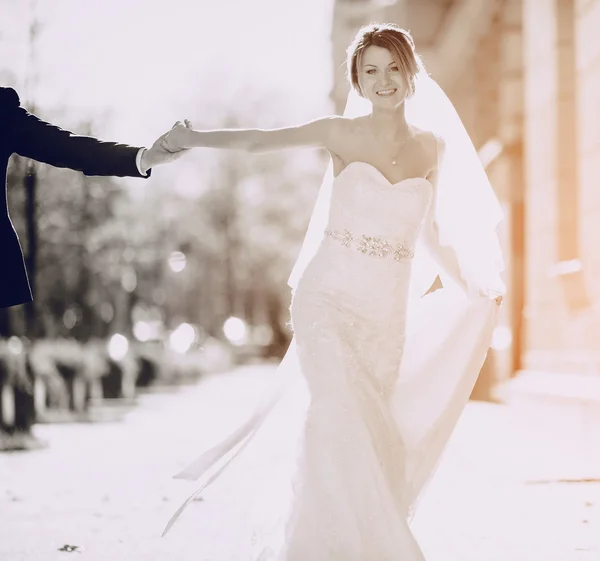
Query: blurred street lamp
point(129, 279)
point(142, 331)
point(15, 345)
point(235, 330)
point(118, 345)
point(30, 180)
point(177, 261)
point(182, 338)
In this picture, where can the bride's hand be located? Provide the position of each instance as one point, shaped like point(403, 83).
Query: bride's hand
point(497, 299)
point(178, 138)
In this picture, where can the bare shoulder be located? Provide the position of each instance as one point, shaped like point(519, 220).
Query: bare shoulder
point(428, 139)
point(440, 144)
point(433, 145)
point(336, 126)
point(343, 131)
point(347, 125)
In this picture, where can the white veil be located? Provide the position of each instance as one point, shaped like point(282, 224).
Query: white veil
point(467, 210)
point(448, 331)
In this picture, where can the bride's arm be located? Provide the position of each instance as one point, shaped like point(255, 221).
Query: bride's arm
point(444, 256)
point(318, 133)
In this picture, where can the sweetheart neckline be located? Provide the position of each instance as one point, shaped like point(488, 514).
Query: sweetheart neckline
point(358, 162)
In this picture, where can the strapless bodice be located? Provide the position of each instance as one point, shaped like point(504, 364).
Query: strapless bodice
point(365, 203)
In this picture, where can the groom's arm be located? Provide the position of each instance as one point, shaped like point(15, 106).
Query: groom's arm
point(45, 142)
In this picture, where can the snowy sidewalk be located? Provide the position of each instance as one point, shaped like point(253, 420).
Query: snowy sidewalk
point(518, 483)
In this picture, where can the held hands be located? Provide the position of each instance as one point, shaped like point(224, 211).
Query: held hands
point(497, 299)
point(157, 154)
point(178, 138)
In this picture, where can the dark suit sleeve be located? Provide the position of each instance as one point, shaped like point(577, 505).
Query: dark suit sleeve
point(44, 142)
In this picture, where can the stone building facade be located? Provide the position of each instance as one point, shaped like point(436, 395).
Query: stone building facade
point(525, 77)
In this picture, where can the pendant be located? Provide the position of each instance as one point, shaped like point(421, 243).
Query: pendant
point(393, 162)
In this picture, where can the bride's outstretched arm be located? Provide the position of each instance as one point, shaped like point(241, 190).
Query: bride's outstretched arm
point(318, 133)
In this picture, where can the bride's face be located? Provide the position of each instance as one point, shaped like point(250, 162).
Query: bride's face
point(381, 80)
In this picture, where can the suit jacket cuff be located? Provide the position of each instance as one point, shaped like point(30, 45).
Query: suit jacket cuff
point(138, 162)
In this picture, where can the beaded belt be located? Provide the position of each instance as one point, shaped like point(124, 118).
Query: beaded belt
point(371, 245)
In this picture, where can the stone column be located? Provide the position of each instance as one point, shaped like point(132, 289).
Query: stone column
point(561, 324)
point(587, 40)
point(572, 280)
point(510, 133)
point(542, 320)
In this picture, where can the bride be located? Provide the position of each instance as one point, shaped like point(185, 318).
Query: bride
point(388, 364)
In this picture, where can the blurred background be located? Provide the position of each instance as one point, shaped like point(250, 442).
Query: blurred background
point(202, 250)
point(197, 258)
point(143, 284)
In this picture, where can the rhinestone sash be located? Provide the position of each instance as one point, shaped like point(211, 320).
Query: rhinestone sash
point(371, 245)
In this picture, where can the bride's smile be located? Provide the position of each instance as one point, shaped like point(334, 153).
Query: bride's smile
point(382, 78)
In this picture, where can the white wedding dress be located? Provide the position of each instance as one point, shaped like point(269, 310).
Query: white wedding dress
point(382, 402)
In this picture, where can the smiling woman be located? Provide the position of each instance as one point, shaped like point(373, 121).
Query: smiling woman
point(387, 369)
point(366, 73)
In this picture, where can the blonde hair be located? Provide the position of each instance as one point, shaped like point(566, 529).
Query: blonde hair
point(389, 36)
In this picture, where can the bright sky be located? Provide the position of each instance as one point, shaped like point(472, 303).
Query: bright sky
point(146, 63)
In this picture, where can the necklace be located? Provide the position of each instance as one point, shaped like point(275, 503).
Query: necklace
point(409, 135)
